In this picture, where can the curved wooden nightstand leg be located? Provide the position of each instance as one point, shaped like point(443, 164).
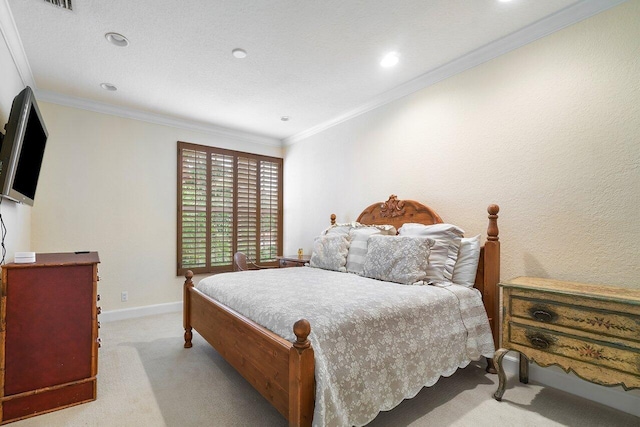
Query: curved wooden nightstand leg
point(502, 378)
point(490, 369)
point(524, 369)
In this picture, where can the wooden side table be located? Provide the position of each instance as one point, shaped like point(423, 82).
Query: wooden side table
point(591, 330)
point(293, 260)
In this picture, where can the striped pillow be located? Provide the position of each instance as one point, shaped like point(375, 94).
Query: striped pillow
point(358, 249)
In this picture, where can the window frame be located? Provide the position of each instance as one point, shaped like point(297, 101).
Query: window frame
point(179, 232)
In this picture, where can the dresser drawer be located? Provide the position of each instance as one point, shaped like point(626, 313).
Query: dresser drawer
point(609, 319)
point(610, 355)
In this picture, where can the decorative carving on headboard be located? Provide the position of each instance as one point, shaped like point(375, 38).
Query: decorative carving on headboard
point(392, 207)
point(397, 212)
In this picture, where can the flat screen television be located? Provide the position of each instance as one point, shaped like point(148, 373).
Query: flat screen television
point(22, 149)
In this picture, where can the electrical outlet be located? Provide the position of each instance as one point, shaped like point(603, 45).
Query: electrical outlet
point(124, 296)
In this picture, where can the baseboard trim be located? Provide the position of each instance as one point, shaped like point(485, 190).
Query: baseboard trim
point(134, 312)
point(615, 397)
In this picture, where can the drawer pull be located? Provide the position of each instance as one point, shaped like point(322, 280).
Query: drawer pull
point(539, 342)
point(542, 316)
point(98, 310)
point(99, 341)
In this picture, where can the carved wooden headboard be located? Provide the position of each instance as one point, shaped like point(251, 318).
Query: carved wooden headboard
point(397, 212)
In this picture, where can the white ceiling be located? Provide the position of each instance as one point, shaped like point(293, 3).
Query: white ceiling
point(315, 61)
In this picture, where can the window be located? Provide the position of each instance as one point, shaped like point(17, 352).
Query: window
point(228, 201)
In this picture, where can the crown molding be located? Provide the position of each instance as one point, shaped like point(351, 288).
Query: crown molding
point(16, 50)
point(539, 29)
point(130, 113)
point(561, 19)
point(12, 37)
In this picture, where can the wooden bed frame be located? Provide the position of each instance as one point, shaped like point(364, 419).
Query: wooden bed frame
point(283, 372)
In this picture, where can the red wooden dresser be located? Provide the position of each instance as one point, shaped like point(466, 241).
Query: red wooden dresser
point(48, 334)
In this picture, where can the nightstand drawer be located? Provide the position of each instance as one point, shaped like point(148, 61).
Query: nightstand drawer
point(284, 263)
point(607, 355)
point(293, 261)
point(608, 319)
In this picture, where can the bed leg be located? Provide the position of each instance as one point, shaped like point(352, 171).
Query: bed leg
point(186, 319)
point(187, 338)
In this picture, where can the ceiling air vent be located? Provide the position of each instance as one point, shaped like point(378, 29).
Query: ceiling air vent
point(65, 4)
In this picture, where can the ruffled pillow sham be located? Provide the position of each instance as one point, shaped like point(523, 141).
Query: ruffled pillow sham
point(345, 228)
point(330, 252)
point(444, 252)
point(399, 259)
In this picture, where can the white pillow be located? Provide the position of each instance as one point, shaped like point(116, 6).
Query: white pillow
point(399, 259)
point(444, 253)
point(330, 252)
point(466, 267)
point(358, 246)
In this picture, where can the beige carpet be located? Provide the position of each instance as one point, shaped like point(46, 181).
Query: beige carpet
point(146, 378)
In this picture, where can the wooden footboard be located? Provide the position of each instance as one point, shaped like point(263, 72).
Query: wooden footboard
point(281, 371)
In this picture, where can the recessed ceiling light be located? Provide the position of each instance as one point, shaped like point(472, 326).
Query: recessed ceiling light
point(117, 39)
point(285, 118)
point(108, 86)
point(389, 60)
point(239, 53)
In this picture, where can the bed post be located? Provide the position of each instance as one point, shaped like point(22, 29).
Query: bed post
point(301, 377)
point(186, 319)
point(492, 277)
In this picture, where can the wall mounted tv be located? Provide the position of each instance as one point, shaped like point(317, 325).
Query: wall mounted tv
point(22, 149)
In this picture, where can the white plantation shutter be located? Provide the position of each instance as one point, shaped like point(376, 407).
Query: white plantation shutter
point(228, 201)
point(269, 210)
point(194, 209)
point(247, 207)
point(221, 209)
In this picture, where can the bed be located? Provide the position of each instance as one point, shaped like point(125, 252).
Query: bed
point(297, 377)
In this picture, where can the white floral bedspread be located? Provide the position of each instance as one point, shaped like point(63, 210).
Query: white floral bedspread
point(376, 343)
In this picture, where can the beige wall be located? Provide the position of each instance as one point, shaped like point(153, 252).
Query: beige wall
point(550, 132)
point(17, 217)
point(108, 184)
